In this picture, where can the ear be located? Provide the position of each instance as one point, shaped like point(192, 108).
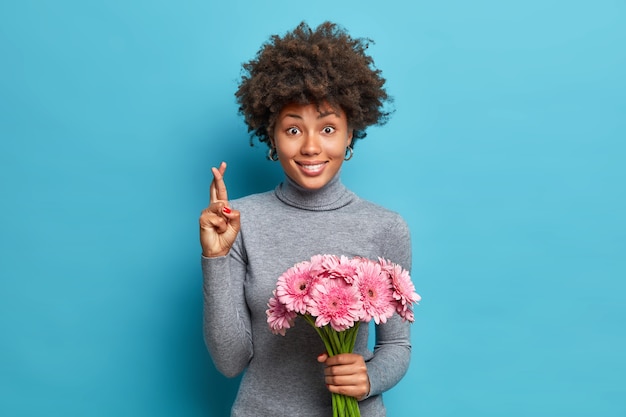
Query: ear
point(350, 135)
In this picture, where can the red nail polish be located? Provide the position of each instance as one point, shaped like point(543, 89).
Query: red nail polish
point(226, 210)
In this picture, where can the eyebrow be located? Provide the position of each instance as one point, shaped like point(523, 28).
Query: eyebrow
point(328, 113)
point(321, 115)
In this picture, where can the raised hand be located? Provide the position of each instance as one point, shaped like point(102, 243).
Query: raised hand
point(219, 224)
point(346, 373)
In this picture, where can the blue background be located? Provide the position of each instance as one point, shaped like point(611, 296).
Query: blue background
point(505, 155)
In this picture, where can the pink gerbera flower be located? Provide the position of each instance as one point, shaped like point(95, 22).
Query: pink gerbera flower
point(407, 314)
point(340, 267)
point(292, 288)
point(278, 317)
point(403, 289)
point(376, 292)
point(336, 303)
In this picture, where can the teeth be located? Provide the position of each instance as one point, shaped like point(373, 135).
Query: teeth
point(312, 167)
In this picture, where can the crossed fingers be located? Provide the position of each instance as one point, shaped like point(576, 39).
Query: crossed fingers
point(218, 187)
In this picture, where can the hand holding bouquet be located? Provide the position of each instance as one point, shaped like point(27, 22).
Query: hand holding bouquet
point(335, 294)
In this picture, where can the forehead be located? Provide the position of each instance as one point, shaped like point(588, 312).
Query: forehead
point(316, 110)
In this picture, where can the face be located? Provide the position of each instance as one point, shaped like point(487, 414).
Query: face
point(311, 143)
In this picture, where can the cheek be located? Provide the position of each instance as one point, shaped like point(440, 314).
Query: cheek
point(338, 149)
point(338, 153)
point(284, 148)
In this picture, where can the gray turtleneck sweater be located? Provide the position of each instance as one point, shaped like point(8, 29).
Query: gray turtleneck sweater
point(278, 229)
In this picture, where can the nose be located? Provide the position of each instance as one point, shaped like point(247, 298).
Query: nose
point(311, 144)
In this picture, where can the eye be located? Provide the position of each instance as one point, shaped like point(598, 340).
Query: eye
point(292, 131)
point(328, 130)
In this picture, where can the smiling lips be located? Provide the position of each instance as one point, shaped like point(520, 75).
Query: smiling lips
point(311, 168)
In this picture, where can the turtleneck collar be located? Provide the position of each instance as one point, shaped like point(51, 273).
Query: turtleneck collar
point(331, 196)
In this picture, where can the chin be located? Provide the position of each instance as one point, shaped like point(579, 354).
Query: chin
point(312, 185)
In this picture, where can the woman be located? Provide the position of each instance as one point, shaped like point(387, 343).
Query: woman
point(309, 95)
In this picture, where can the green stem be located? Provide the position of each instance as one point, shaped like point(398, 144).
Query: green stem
point(335, 343)
point(320, 332)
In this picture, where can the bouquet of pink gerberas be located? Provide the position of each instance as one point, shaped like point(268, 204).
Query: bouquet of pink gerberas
point(335, 294)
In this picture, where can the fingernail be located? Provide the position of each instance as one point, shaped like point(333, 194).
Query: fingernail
point(226, 210)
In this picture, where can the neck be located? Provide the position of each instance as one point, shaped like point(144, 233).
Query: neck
point(331, 196)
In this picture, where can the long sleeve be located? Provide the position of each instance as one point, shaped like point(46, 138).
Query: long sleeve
point(227, 328)
point(392, 349)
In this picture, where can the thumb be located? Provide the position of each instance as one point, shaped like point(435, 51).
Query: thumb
point(322, 357)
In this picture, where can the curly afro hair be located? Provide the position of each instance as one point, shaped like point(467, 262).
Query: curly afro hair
point(308, 66)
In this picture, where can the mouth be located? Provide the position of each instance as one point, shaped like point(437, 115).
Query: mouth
point(311, 168)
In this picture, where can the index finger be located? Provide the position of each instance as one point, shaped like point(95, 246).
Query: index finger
point(344, 359)
point(218, 187)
